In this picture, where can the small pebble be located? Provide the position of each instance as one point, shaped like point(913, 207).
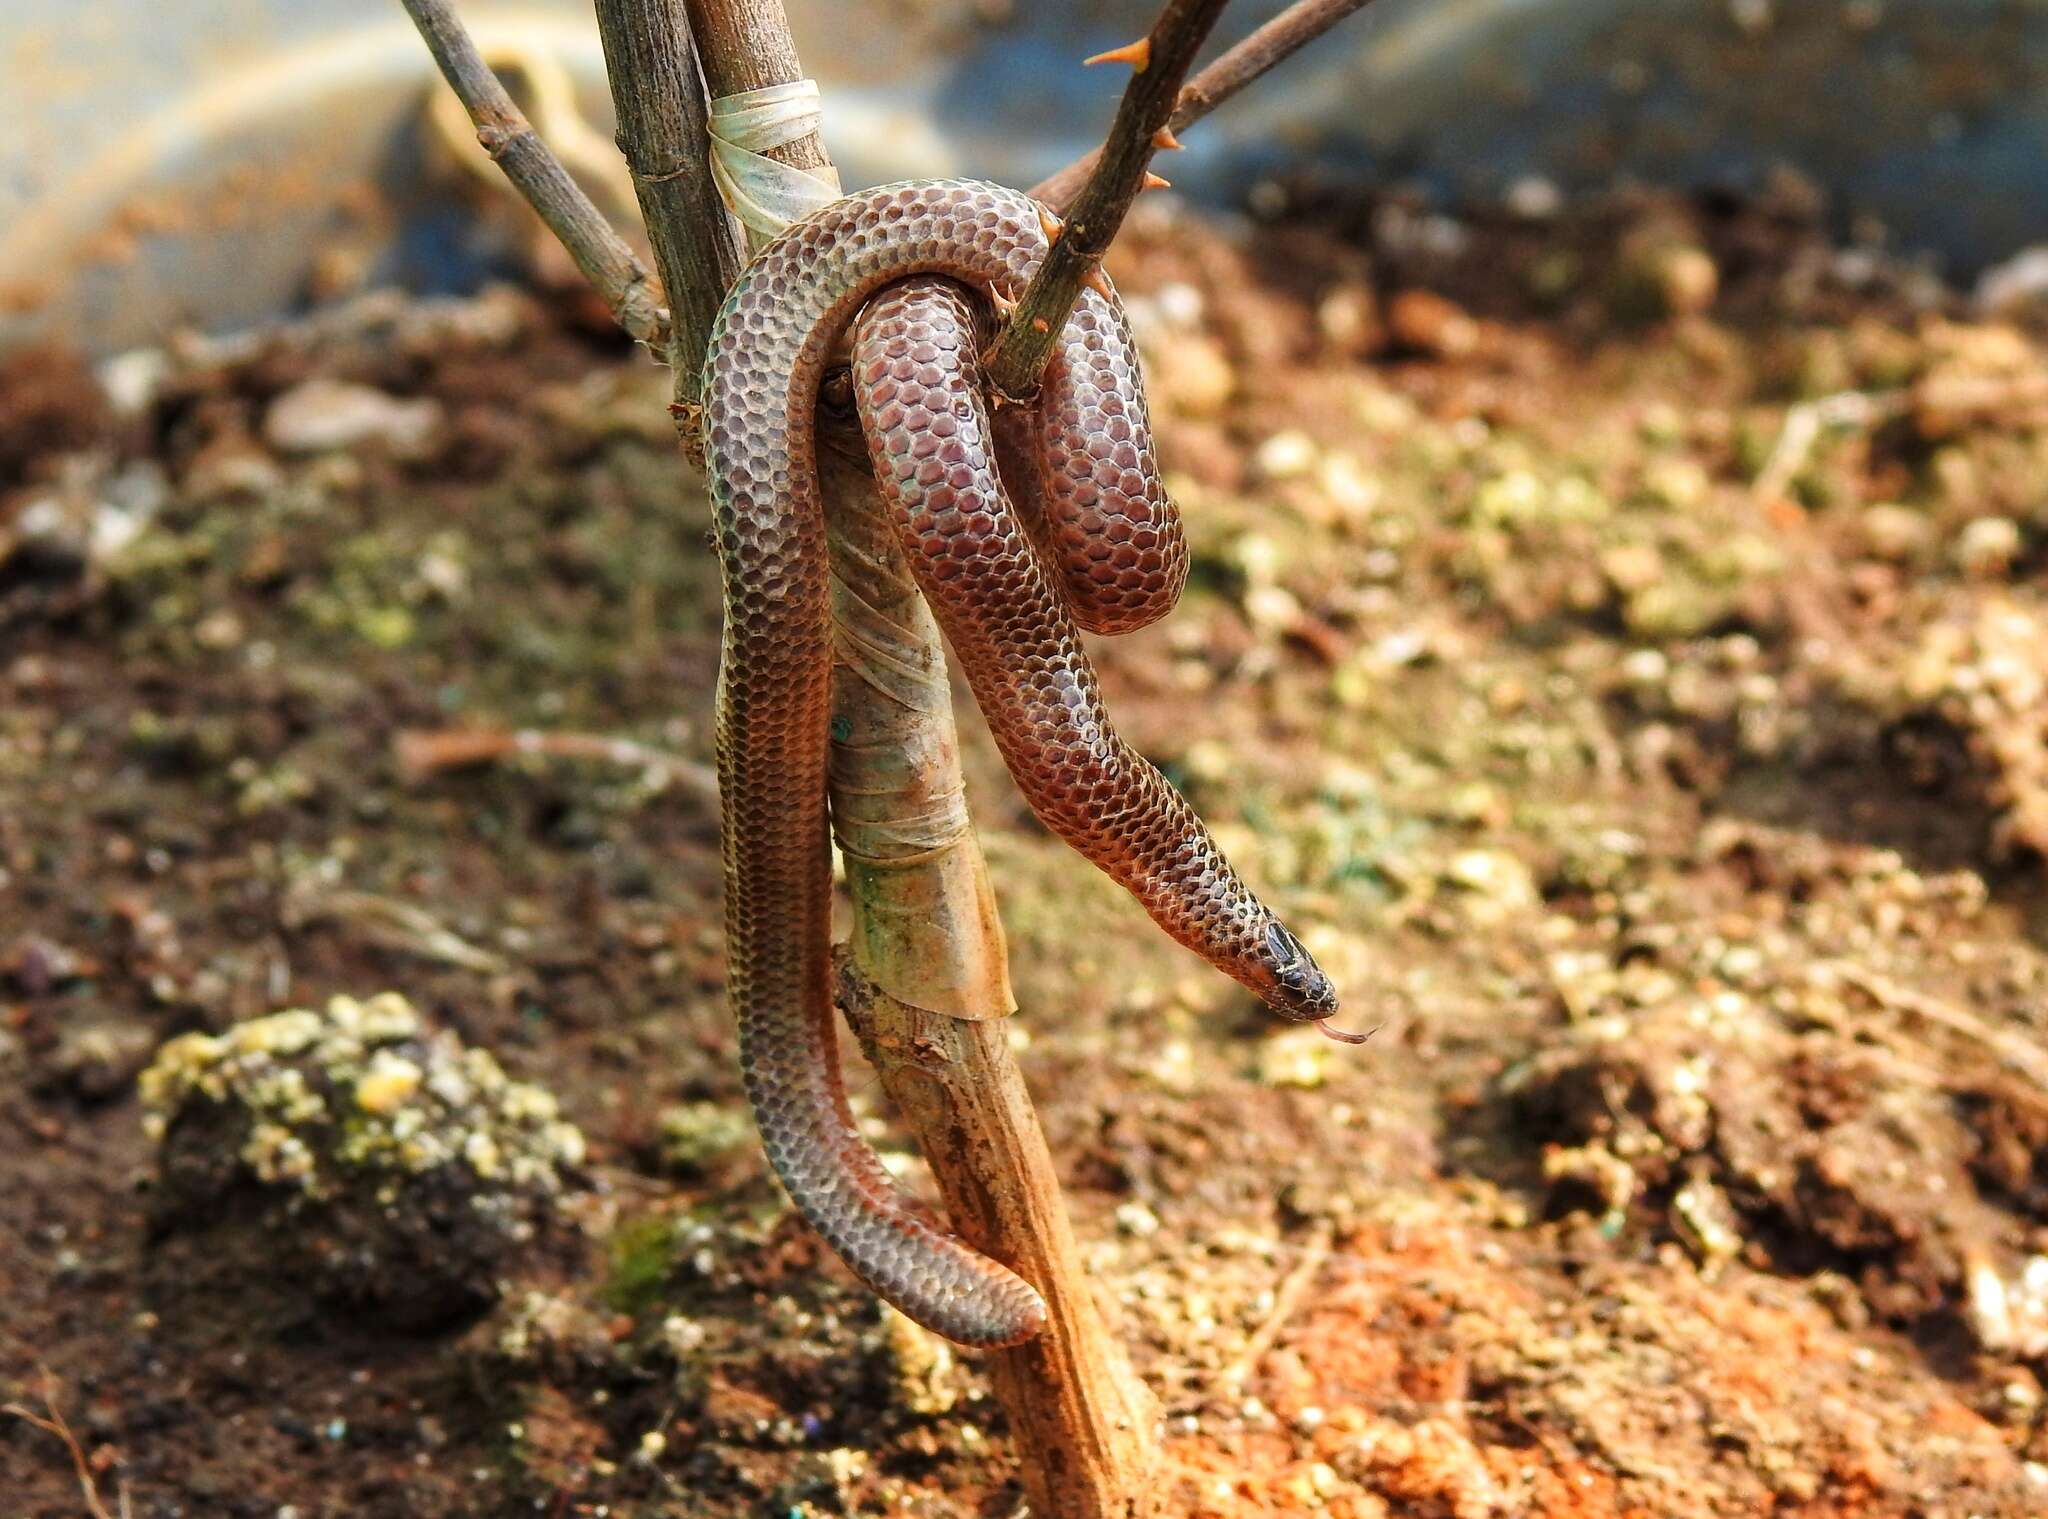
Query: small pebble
point(1285, 456)
point(1136, 1220)
point(1893, 532)
point(1986, 548)
point(1427, 323)
point(322, 415)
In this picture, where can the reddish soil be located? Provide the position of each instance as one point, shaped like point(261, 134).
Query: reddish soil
point(1611, 638)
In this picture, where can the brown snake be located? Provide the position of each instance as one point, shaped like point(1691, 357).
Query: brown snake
point(1102, 522)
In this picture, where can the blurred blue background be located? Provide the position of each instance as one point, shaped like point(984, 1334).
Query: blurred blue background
point(219, 161)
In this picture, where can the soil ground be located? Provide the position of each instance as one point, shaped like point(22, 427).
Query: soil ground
point(1615, 640)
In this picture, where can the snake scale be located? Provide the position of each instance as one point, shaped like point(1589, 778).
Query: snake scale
point(1099, 547)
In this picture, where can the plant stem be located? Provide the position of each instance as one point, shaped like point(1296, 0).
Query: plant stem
point(1026, 342)
point(604, 257)
point(927, 957)
point(924, 984)
point(926, 976)
point(657, 87)
point(1067, 1391)
point(748, 46)
point(1283, 36)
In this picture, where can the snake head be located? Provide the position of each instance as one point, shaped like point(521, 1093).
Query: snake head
point(1298, 989)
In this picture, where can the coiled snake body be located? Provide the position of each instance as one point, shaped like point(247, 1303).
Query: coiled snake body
point(1103, 550)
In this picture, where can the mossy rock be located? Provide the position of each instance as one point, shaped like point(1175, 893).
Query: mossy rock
point(380, 1163)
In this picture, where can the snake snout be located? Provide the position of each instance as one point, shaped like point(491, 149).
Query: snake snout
point(1299, 990)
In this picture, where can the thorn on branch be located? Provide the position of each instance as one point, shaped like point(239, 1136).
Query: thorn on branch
point(1294, 28)
point(1159, 66)
point(1153, 181)
point(1165, 141)
point(1137, 54)
point(1050, 225)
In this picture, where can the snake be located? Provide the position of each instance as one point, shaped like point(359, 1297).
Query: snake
point(911, 274)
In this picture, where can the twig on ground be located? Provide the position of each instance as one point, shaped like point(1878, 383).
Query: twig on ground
point(2015, 1053)
point(387, 923)
point(51, 1422)
point(1314, 1256)
point(1159, 62)
point(1804, 425)
point(425, 752)
point(603, 256)
point(1283, 36)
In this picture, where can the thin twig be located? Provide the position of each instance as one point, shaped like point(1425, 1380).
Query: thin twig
point(1286, 1299)
point(51, 1422)
point(387, 923)
point(1804, 425)
point(1283, 36)
point(424, 752)
point(606, 260)
point(1159, 62)
point(2017, 1054)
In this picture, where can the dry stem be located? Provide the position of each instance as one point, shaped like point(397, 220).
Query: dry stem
point(927, 961)
point(603, 256)
point(748, 46)
point(1162, 62)
point(1081, 1421)
point(652, 62)
point(51, 1422)
point(424, 752)
point(925, 924)
point(1286, 34)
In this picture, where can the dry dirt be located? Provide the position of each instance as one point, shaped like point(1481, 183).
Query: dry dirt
point(1617, 639)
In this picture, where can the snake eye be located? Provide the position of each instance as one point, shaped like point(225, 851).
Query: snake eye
point(1285, 949)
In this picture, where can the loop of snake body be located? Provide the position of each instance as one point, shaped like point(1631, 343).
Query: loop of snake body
point(1102, 548)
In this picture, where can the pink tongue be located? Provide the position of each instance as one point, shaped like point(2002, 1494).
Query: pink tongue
point(1341, 1037)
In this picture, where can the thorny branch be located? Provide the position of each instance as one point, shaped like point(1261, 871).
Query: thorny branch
point(603, 256)
point(1083, 1423)
point(1159, 61)
point(926, 928)
point(1099, 187)
point(1283, 36)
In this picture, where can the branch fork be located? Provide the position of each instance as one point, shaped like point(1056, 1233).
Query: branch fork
point(1082, 1422)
